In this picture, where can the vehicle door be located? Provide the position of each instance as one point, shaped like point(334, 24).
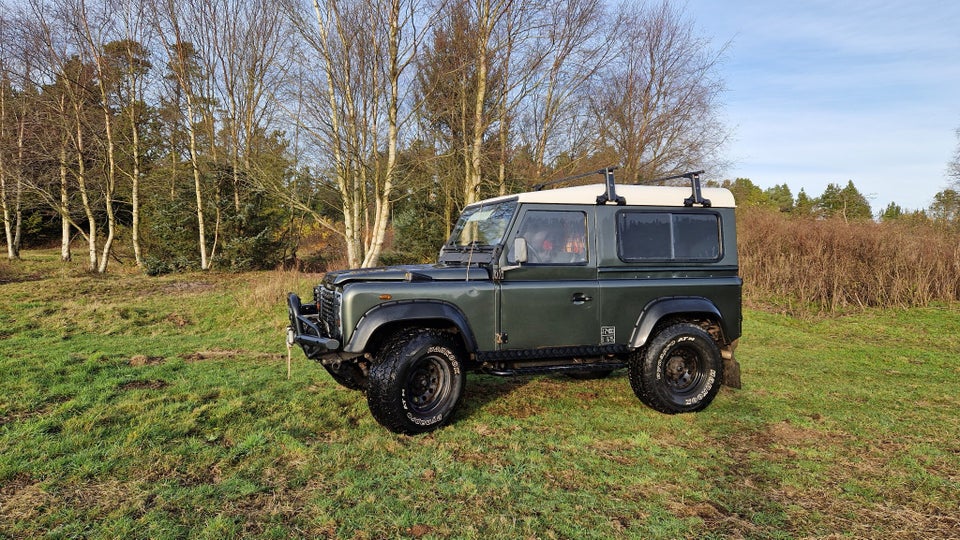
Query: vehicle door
point(550, 300)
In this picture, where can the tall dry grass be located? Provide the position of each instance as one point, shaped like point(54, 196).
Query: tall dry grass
point(832, 265)
point(270, 289)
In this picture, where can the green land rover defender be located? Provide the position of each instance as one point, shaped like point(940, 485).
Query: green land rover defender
point(581, 280)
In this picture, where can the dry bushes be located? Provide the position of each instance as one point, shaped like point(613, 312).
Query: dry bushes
point(829, 265)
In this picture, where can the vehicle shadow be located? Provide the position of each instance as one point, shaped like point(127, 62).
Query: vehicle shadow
point(482, 390)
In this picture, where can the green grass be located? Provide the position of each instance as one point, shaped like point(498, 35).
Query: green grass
point(136, 407)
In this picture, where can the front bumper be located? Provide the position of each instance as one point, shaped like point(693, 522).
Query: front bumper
point(305, 330)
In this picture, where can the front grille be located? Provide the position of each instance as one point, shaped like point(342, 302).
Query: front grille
point(329, 311)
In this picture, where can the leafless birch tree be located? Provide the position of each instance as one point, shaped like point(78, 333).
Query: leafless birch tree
point(186, 70)
point(352, 110)
point(656, 103)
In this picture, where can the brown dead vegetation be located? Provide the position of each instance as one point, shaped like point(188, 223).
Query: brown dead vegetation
point(832, 265)
point(141, 360)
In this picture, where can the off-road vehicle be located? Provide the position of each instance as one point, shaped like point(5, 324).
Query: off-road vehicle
point(580, 280)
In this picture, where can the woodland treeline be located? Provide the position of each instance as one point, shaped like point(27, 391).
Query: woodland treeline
point(223, 133)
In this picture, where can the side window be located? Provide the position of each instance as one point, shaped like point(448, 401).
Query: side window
point(666, 236)
point(553, 237)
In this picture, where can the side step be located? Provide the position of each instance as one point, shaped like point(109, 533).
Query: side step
point(543, 370)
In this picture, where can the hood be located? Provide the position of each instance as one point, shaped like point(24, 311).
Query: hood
point(415, 272)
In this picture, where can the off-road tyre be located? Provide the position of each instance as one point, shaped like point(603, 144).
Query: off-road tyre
point(680, 371)
point(348, 375)
point(416, 383)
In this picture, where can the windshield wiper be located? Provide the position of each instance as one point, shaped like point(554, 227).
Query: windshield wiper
point(472, 246)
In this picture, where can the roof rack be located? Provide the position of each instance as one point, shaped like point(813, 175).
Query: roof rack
point(610, 195)
point(696, 197)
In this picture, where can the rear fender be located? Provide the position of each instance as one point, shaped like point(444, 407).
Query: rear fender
point(658, 309)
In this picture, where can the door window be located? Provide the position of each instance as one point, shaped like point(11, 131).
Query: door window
point(553, 237)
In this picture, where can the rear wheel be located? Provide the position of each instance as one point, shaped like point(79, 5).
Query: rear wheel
point(680, 371)
point(416, 384)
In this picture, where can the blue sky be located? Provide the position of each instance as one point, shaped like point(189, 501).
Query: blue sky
point(827, 91)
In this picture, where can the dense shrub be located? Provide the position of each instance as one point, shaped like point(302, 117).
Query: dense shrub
point(831, 264)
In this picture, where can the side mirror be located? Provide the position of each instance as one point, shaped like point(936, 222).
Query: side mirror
point(520, 249)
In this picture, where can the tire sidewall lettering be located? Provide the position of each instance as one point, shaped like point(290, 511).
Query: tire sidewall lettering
point(704, 390)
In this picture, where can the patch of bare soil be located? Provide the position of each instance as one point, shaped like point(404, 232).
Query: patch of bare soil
point(20, 498)
point(228, 354)
point(19, 278)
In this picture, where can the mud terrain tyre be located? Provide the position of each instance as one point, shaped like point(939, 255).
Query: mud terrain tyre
point(416, 384)
point(680, 371)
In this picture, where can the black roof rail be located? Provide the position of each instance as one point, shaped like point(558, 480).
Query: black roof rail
point(538, 187)
point(610, 195)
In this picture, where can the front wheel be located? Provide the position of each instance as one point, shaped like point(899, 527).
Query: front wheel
point(348, 374)
point(680, 371)
point(416, 384)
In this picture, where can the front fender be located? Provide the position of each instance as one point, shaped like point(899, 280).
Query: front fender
point(658, 309)
point(412, 311)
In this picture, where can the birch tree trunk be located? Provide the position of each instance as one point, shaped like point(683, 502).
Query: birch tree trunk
point(7, 224)
point(91, 234)
point(383, 195)
point(474, 173)
point(64, 208)
point(95, 46)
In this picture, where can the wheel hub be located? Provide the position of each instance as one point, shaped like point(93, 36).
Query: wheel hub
point(680, 371)
point(425, 384)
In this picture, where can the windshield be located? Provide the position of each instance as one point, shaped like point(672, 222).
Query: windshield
point(483, 225)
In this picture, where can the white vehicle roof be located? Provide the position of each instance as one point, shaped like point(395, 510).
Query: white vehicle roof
point(634, 195)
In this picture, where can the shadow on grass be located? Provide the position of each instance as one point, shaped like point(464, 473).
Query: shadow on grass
point(482, 390)
point(492, 395)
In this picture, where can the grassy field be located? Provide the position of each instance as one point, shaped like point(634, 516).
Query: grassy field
point(135, 407)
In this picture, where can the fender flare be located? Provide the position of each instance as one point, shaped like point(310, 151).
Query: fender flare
point(662, 307)
point(408, 311)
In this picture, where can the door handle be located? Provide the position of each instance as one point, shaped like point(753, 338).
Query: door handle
point(579, 298)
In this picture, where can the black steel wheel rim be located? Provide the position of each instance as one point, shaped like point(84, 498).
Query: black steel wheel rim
point(683, 370)
point(428, 384)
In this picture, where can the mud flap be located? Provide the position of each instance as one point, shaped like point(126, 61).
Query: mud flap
point(731, 368)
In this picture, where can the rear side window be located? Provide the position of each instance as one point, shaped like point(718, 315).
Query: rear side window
point(668, 236)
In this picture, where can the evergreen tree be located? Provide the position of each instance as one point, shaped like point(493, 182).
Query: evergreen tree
point(946, 207)
point(804, 205)
point(781, 197)
point(847, 202)
point(746, 192)
point(892, 212)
